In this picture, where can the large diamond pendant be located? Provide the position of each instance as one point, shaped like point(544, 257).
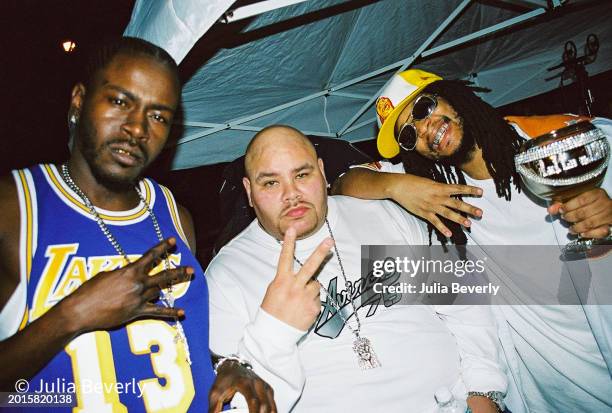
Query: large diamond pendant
point(365, 353)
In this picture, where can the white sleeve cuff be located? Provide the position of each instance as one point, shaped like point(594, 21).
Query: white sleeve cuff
point(271, 346)
point(270, 328)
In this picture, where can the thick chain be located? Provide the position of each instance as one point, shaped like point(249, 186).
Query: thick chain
point(167, 296)
point(103, 227)
point(333, 301)
point(346, 283)
point(362, 346)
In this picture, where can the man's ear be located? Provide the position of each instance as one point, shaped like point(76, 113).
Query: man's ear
point(322, 168)
point(76, 99)
point(247, 187)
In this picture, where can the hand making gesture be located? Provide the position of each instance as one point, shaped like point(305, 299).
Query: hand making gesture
point(294, 298)
point(113, 298)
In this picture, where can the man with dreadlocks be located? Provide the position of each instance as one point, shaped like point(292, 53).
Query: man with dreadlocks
point(559, 357)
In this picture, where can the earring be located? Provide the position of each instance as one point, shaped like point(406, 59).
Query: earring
point(73, 120)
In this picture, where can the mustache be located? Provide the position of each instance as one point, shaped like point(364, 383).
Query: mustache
point(295, 205)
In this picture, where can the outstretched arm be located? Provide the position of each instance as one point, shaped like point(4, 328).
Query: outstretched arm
point(423, 197)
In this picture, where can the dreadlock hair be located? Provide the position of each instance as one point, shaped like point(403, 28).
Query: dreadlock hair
point(130, 46)
point(497, 139)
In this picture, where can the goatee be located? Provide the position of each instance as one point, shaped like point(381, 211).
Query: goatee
point(85, 139)
point(463, 154)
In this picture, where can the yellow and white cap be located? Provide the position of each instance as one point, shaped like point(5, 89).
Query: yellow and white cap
point(403, 88)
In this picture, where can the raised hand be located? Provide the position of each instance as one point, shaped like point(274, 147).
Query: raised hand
point(113, 298)
point(590, 213)
point(294, 298)
point(430, 199)
point(423, 197)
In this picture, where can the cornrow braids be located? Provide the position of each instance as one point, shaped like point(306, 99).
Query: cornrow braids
point(131, 46)
point(484, 126)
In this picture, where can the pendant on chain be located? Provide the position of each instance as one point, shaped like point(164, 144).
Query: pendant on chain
point(167, 296)
point(366, 356)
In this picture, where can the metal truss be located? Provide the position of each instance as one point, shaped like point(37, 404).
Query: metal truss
point(541, 7)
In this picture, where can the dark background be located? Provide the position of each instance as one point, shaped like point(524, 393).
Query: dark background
point(37, 76)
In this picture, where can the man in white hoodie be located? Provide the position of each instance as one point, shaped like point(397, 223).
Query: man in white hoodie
point(330, 351)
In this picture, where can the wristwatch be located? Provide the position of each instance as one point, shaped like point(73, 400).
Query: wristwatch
point(496, 397)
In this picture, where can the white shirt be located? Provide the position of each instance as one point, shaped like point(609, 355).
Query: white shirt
point(556, 354)
point(420, 347)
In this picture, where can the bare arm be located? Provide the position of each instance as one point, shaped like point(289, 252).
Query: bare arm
point(9, 239)
point(366, 184)
point(188, 227)
point(23, 354)
point(421, 196)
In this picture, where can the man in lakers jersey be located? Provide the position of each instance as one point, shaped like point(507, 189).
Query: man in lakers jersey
point(100, 295)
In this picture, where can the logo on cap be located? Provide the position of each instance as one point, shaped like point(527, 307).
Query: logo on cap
point(384, 107)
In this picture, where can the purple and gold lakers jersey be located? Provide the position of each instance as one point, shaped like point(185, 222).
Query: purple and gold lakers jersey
point(140, 367)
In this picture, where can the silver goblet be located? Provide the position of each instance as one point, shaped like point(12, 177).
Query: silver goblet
point(562, 164)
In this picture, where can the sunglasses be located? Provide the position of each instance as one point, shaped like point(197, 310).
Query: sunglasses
point(423, 107)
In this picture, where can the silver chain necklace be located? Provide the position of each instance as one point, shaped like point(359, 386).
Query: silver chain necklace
point(167, 296)
point(362, 346)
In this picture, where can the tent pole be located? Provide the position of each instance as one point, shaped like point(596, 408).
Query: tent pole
point(360, 125)
point(231, 124)
point(350, 95)
point(399, 66)
point(484, 32)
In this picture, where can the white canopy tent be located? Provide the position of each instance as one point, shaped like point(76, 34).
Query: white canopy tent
point(319, 64)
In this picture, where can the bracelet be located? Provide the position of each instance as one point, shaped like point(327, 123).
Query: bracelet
point(232, 357)
point(496, 397)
